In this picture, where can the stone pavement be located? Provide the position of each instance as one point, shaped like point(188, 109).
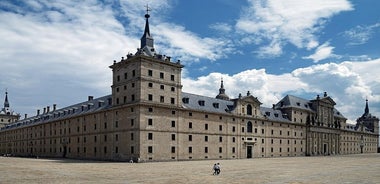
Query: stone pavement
point(361, 168)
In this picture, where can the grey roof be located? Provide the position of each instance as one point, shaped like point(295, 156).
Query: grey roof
point(204, 103)
point(274, 114)
point(86, 107)
point(295, 102)
point(300, 103)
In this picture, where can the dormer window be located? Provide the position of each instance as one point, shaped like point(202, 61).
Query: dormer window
point(298, 104)
point(215, 105)
point(267, 113)
point(185, 100)
point(276, 114)
point(201, 102)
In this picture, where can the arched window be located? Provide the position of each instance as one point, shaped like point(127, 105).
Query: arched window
point(249, 110)
point(249, 127)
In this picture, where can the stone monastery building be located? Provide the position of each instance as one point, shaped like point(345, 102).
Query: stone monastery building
point(149, 118)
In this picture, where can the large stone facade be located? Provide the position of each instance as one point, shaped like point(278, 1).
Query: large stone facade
point(148, 118)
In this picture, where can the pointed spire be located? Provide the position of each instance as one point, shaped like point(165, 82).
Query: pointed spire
point(366, 110)
point(6, 102)
point(222, 95)
point(146, 39)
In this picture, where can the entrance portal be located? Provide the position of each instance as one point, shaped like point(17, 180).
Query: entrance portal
point(249, 151)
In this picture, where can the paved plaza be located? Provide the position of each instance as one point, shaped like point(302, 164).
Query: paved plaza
point(362, 168)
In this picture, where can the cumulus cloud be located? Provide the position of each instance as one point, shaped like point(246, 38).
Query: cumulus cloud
point(349, 84)
point(49, 49)
point(282, 22)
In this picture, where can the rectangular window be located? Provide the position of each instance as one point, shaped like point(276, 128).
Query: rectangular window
point(116, 124)
point(150, 149)
point(132, 150)
point(190, 137)
point(150, 136)
point(262, 131)
point(206, 138)
point(132, 137)
point(206, 126)
point(162, 99)
point(173, 124)
point(220, 139)
point(162, 87)
point(133, 73)
point(190, 149)
point(173, 137)
point(132, 122)
point(95, 138)
point(172, 100)
point(117, 137)
point(206, 149)
point(220, 127)
point(150, 122)
point(150, 97)
point(190, 125)
point(161, 75)
point(172, 77)
point(220, 150)
point(173, 149)
point(150, 73)
point(125, 75)
point(233, 128)
point(105, 138)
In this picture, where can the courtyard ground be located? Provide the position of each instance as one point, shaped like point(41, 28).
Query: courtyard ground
point(361, 168)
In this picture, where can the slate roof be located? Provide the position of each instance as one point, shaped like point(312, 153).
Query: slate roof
point(204, 103)
point(86, 107)
point(300, 103)
point(274, 115)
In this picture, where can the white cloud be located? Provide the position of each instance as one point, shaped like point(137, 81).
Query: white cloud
point(360, 34)
point(185, 45)
point(349, 83)
point(221, 27)
point(324, 51)
point(293, 21)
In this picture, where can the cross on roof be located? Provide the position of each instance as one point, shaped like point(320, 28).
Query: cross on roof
point(147, 9)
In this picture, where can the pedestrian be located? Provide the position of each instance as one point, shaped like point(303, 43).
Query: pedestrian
point(217, 169)
point(214, 168)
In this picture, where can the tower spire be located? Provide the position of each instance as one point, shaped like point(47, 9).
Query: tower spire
point(6, 102)
point(222, 92)
point(147, 39)
point(366, 110)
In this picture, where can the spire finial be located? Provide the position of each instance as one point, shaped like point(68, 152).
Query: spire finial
point(147, 11)
point(6, 102)
point(366, 110)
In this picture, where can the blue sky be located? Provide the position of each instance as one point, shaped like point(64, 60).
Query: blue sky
point(58, 52)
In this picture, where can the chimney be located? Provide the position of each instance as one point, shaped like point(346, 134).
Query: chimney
point(54, 107)
point(90, 98)
point(325, 94)
point(48, 109)
point(273, 105)
point(26, 116)
point(44, 110)
point(38, 112)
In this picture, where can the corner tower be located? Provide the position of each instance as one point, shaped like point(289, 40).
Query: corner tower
point(146, 76)
point(370, 122)
point(7, 116)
